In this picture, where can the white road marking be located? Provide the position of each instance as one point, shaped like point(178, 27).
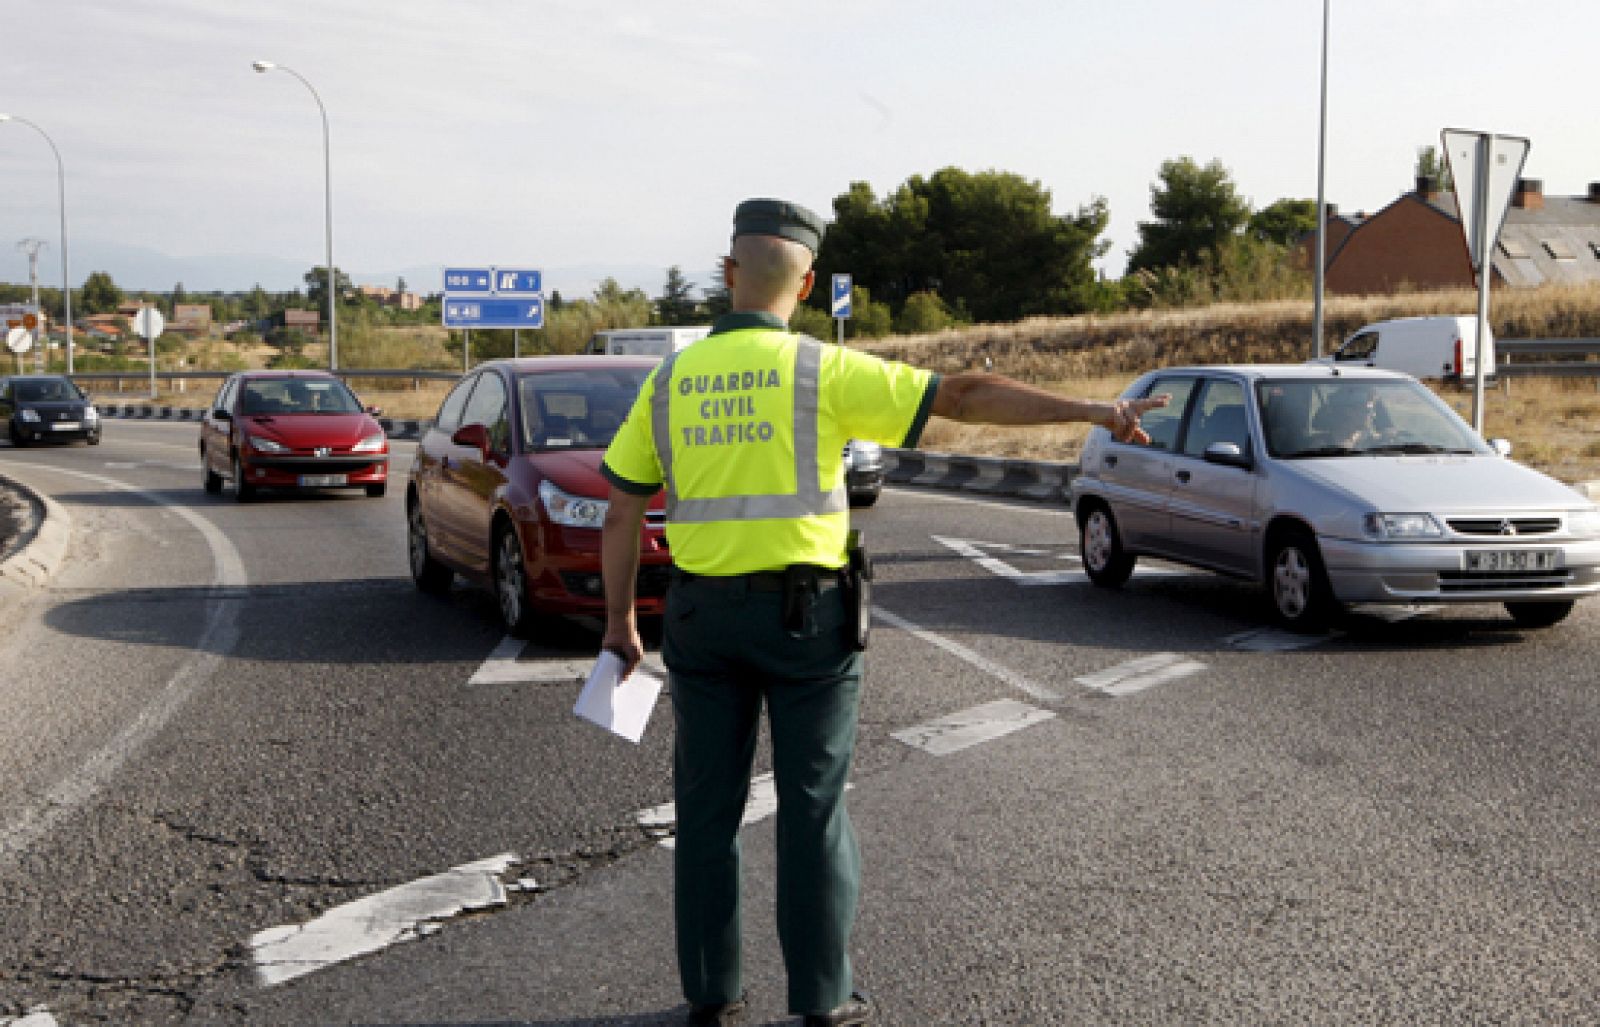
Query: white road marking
point(1137, 675)
point(38, 1016)
point(1273, 640)
point(981, 553)
point(969, 727)
point(218, 637)
point(503, 667)
point(367, 925)
point(977, 660)
point(763, 802)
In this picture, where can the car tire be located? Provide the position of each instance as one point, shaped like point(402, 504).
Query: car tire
point(213, 480)
point(510, 574)
point(377, 489)
point(861, 502)
point(94, 440)
point(243, 491)
point(1100, 546)
point(1297, 584)
point(429, 574)
point(1539, 615)
point(17, 438)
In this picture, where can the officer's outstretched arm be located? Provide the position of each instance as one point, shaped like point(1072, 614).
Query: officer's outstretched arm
point(619, 569)
point(994, 399)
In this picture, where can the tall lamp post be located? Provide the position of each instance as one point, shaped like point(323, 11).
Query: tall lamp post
point(61, 185)
point(327, 178)
point(1322, 200)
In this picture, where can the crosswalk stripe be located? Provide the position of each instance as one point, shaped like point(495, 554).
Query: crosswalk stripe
point(970, 727)
point(505, 667)
point(1137, 675)
point(762, 803)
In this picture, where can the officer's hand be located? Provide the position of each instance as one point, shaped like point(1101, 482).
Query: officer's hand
point(624, 642)
point(1125, 413)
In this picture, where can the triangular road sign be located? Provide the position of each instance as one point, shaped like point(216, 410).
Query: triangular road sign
point(1485, 169)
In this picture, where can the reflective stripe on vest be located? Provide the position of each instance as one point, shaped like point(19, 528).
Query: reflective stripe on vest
point(808, 499)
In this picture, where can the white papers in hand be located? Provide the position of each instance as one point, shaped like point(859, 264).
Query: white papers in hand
point(619, 704)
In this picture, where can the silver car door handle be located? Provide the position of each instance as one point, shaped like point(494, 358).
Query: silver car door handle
point(1111, 460)
point(1183, 476)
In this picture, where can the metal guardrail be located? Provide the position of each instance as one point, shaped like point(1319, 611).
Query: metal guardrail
point(1506, 350)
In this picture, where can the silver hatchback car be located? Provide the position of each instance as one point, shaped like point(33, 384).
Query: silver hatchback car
point(1332, 486)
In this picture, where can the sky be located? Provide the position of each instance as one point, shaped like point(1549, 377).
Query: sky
point(615, 139)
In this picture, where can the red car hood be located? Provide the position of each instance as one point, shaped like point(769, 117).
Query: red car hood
point(307, 431)
point(577, 472)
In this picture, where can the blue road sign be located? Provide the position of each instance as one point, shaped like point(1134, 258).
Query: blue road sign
point(841, 296)
point(468, 279)
point(524, 312)
point(509, 281)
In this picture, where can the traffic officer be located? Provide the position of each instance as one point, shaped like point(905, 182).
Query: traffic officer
point(743, 429)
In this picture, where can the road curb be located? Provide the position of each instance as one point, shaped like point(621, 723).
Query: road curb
point(44, 543)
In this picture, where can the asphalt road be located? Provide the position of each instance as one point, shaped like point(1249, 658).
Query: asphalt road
point(222, 725)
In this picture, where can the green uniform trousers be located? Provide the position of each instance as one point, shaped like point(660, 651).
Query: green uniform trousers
point(727, 651)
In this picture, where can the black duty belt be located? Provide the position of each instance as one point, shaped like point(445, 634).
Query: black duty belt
point(758, 581)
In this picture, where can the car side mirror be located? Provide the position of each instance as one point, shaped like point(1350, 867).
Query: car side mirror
point(1502, 447)
point(221, 414)
point(475, 436)
point(375, 411)
point(1228, 454)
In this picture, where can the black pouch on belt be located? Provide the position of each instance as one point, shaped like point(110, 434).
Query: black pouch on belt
point(800, 591)
point(858, 590)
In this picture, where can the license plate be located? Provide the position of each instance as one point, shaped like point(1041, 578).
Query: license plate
point(321, 480)
point(65, 426)
point(1511, 559)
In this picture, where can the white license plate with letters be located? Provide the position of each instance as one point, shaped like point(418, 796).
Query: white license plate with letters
point(65, 426)
point(1511, 559)
point(322, 480)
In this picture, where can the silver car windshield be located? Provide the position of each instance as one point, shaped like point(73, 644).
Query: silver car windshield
point(576, 409)
point(1306, 419)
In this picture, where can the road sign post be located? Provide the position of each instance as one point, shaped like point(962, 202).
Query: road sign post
point(492, 297)
point(148, 323)
point(1485, 169)
point(842, 289)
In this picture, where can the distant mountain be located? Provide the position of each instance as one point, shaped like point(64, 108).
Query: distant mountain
point(140, 269)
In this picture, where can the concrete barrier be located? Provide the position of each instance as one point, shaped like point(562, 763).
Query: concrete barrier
point(1042, 481)
point(392, 427)
point(43, 544)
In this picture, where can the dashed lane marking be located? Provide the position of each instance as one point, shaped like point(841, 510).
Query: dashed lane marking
point(505, 667)
point(38, 1016)
point(970, 727)
point(367, 925)
point(662, 820)
point(976, 659)
point(1137, 675)
point(983, 554)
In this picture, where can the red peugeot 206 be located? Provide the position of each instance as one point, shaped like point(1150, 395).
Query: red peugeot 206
point(506, 489)
point(291, 430)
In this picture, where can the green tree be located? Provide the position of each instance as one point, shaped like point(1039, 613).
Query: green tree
point(1196, 210)
point(718, 300)
point(924, 312)
point(1431, 164)
point(178, 296)
point(1284, 221)
point(987, 244)
point(257, 304)
point(317, 286)
point(676, 305)
point(100, 294)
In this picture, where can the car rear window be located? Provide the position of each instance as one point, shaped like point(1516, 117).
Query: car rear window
point(575, 409)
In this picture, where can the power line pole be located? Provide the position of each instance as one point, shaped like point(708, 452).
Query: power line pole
point(31, 247)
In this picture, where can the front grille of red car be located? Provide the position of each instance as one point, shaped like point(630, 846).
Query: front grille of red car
point(652, 582)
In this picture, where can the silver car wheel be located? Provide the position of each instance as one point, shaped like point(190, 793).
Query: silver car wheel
point(509, 578)
point(1097, 541)
point(1291, 582)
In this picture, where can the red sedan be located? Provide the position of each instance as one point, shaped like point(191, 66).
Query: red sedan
point(291, 430)
point(506, 489)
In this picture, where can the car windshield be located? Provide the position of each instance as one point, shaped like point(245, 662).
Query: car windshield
point(271, 396)
point(1336, 417)
point(576, 409)
point(47, 390)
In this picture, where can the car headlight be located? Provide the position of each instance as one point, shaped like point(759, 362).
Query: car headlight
point(865, 454)
point(261, 445)
point(1584, 522)
point(1401, 526)
point(29, 415)
point(572, 511)
point(91, 414)
point(370, 444)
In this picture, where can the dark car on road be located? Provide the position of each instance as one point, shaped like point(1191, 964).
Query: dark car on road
point(506, 489)
point(291, 430)
point(37, 407)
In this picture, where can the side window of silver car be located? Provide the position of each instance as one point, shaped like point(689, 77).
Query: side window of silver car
point(1162, 424)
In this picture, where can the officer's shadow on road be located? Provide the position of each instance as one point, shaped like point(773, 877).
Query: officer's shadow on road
point(676, 1015)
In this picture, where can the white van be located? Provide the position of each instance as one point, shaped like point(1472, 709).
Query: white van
point(652, 342)
point(1436, 346)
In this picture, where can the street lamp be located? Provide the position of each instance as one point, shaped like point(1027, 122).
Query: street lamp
point(1322, 200)
point(61, 184)
point(327, 177)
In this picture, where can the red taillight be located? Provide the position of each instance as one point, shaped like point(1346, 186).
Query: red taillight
point(1460, 368)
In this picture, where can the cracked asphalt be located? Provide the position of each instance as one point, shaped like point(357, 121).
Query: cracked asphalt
point(1394, 825)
